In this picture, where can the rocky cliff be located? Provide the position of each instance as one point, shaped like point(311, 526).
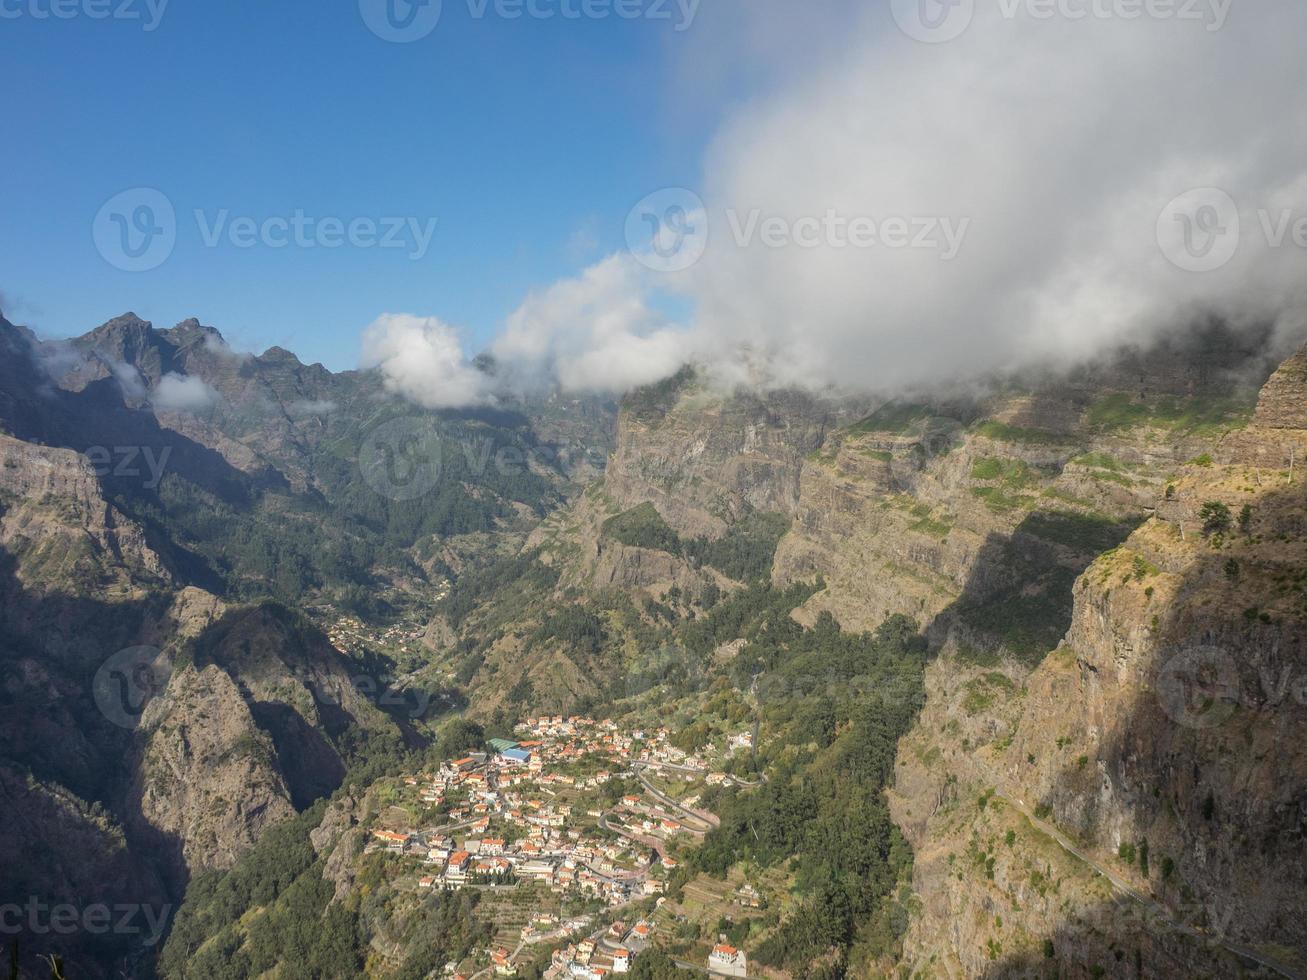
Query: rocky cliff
point(208, 778)
point(55, 522)
point(1053, 537)
point(705, 457)
point(1160, 744)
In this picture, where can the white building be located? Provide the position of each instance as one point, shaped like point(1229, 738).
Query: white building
point(727, 961)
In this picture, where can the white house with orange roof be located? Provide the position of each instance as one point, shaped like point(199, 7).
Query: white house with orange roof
point(727, 961)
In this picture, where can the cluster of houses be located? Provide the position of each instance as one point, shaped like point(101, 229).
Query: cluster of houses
point(536, 835)
point(602, 955)
point(518, 812)
point(350, 635)
point(560, 738)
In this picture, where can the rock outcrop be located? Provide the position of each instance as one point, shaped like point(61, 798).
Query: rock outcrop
point(208, 783)
point(1163, 741)
point(65, 536)
point(706, 458)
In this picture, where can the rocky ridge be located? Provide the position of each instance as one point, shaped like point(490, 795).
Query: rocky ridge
point(1162, 738)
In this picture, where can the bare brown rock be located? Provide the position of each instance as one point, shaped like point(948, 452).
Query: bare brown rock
point(208, 783)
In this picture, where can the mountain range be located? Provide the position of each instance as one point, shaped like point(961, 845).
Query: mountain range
point(1096, 765)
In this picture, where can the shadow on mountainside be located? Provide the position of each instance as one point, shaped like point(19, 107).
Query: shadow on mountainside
point(1202, 782)
point(1018, 596)
point(70, 776)
point(64, 770)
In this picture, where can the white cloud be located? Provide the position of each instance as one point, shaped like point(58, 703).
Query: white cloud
point(1054, 143)
point(305, 409)
point(594, 333)
point(422, 359)
point(129, 379)
point(181, 393)
point(1062, 141)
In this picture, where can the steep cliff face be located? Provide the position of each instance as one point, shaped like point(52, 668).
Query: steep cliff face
point(1163, 742)
point(1283, 404)
point(1062, 515)
point(56, 523)
point(705, 458)
point(208, 784)
point(964, 513)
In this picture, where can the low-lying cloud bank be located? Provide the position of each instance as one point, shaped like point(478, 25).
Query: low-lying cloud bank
point(183, 393)
point(423, 359)
point(595, 334)
point(1035, 190)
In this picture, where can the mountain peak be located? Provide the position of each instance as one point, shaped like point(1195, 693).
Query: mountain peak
point(192, 331)
point(125, 332)
point(279, 354)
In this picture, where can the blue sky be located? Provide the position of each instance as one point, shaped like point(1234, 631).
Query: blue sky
point(528, 140)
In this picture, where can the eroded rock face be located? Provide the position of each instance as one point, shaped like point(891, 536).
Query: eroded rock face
point(63, 533)
point(1165, 738)
point(1283, 404)
point(338, 839)
point(705, 458)
point(207, 783)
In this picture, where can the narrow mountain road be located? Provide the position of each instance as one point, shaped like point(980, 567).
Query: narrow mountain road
point(1161, 911)
point(702, 822)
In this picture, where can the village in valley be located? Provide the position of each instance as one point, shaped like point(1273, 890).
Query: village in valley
point(572, 830)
